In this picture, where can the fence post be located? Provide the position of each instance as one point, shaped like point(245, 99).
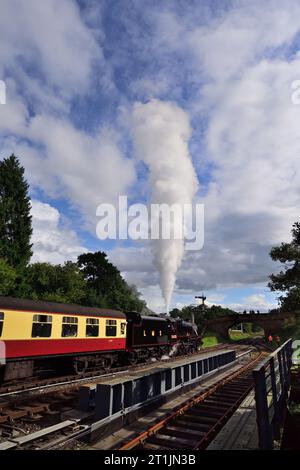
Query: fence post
point(269, 425)
point(276, 403)
point(265, 434)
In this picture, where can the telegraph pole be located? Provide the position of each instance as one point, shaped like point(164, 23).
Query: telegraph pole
point(203, 298)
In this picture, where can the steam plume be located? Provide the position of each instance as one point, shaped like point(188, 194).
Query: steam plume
point(161, 133)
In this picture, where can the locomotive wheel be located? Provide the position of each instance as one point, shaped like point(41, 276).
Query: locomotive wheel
point(80, 366)
point(107, 364)
point(132, 358)
point(159, 353)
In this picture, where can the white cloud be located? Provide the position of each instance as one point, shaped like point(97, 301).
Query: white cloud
point(254, 302)
point(53, 241)
point(240, 37)
point(152, 296)
point(51, 34)
point(87, 170)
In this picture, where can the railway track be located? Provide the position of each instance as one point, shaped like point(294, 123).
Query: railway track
point(194, 424)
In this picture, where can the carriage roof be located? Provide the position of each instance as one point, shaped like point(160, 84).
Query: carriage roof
point(42, 306)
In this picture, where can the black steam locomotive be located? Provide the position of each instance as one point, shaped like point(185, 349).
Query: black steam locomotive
point(155, 336)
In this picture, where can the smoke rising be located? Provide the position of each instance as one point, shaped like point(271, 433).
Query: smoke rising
point(161, 133)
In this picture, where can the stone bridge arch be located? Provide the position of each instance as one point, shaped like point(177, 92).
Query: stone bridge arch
point(271, 323)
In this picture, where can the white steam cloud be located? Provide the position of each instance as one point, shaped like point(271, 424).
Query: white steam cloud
point(161, 133)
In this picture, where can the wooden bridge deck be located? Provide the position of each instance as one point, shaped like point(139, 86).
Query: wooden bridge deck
point(240, 431)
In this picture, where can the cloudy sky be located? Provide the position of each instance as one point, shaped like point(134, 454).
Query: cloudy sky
point(75, 70)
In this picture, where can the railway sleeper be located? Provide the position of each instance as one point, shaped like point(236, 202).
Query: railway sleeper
point(148, 446)
point(219, 402)
point(207, 411)
point(219, 408)
point(244, 382)
point(4, 419)
point(172, 441)
point(34, 409)
point(197, 425)
point(233, 384)
point(198, 417)
point(178, 430)
point(230, 396)
point(220, 398)
point(237, 389)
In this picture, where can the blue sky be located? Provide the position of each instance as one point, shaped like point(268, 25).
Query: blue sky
point(74, 71)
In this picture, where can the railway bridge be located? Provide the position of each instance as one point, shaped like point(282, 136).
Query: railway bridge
point(271, 323)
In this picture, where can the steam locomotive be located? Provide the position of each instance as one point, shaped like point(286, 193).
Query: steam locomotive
point(39, 335)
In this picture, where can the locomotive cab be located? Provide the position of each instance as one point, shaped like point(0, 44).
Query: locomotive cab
point(147, 336)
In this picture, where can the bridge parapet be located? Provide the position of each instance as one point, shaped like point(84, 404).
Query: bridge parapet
point(271, 323)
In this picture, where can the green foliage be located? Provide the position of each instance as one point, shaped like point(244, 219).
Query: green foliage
point(288, 279)
point(239, 335)
point(256, 328)
point(209, 339)
point(216, 311)
point(15, 218)
point(57, 283)
point(247, 327)
point(175, 313)
point(105, 285)
point(7, 277)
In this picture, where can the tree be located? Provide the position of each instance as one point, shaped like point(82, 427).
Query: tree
point(56, 283)
point(175, 313)
point(288, 279)
point(105, 285)
point(15, 218)
point(7, 277)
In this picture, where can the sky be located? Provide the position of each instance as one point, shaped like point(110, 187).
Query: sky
point(75, 71)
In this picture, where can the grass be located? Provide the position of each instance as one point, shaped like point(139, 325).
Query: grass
point(238, 335)
point(211, 339)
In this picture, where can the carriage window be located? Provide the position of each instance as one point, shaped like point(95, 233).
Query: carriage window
point(145, 334)
point(1, 322)
point(41, 326)
point(92, 327)
point(152, 333)
point(123, 328)
point(160, 333)
point(69, 326)
point(111, 327)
